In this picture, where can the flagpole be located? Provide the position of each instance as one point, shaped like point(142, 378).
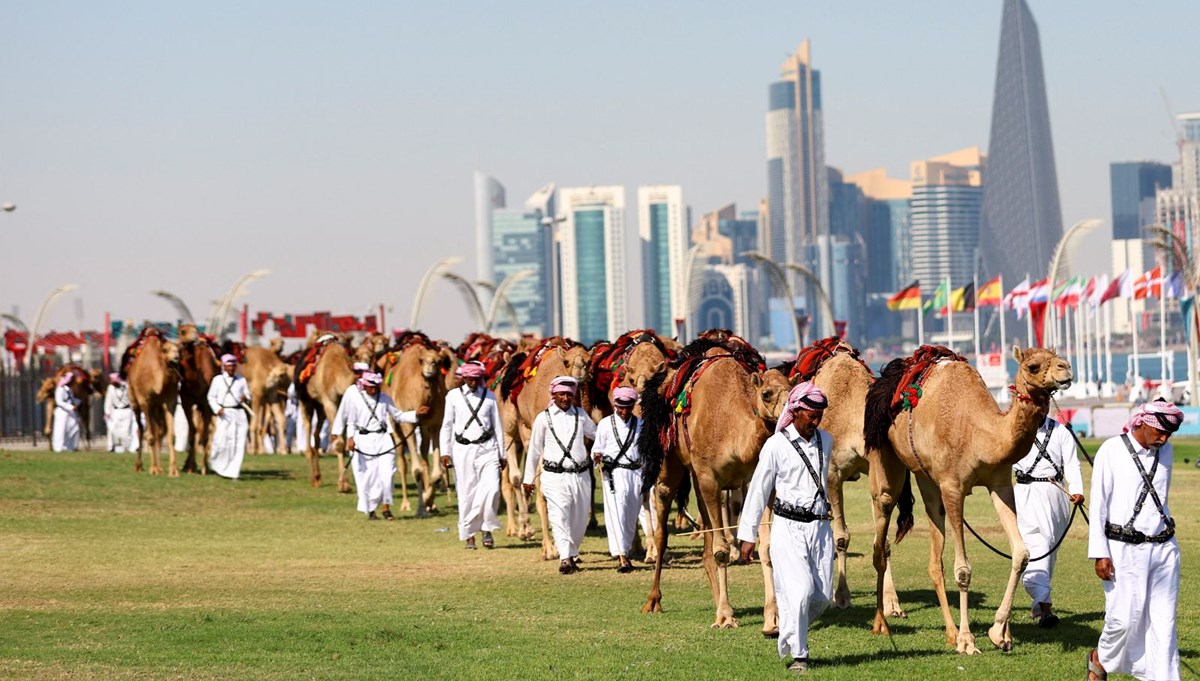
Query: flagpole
point(1108, 344)
point(1137, 373)
point(1003, 348)
point(1028, 319)
point(949, 318)
point(1162, 330)
point(920, 325)
point(975, 309)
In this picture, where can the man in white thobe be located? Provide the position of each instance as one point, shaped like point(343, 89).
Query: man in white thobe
point(1044, 508)
point(620, 462)
point(228, 395)
point(559, 443)
point(365, 422)
point(65, 435)
point(118, 415)
point(1132, 540)
point(793, 467)
point(472, 443)
point(291, 418)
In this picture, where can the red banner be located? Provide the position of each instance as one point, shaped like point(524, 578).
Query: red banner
point(1037, 312)
point(297, 326)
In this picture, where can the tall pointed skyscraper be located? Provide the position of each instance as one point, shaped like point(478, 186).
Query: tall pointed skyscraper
point(1022, 219)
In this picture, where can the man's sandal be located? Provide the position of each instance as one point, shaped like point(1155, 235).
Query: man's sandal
point(387, 515)
point(488, 541)
point(1095, 671)
point(471, 544)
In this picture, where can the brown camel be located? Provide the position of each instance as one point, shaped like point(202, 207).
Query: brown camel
point(713, 434)
point(198, 367)
point(415, 376)
point(525, 392)
point(83, 385)
point(319, 389)
point(153, 377)
point(373, 346)
point(955, 439)
point(268, 378)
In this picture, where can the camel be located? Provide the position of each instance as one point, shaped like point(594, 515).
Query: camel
point(712, 434)
point(955, 439)
point(415, 376)
point(319, 387)
point(373, 346)
point(198, 366)
point(268, 378)
point(525, 392)
point(153, 377)
point(83, 385)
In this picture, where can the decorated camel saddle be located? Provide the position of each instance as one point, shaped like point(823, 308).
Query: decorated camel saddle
point(524, 366)
point(608, 359)
point(916, 370)
point(810, 359)
point(689, 365)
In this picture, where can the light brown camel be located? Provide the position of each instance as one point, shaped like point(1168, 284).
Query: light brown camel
point(415, 376)
point(733, 410)
point(319, 396)
point(845, 381)
point(962, 441)
point(153, 378)
point(268, 378)
point(198, 366)
point(534, 371)
point(373, 346)
point(83, 385)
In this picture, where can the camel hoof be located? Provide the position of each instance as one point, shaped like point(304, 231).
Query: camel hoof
point(316, 484)
point(841, 599)
point(174, 473)
point(405, 506)
point(880, 626)
point(652, 606)
point(344, 488)
point(966, 645)
point(771, 633)
point(725, 622)
point(156, 470)
point(137, 468)
point(1001, 637)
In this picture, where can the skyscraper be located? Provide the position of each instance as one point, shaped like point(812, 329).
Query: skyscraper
point(520, 242)
point(592, 262)
point(489, 195)
point(727, 291)
point(663, 230)
point(946, 195)
point(889, 249)
point(1022, 220)
point(797, 185)
point(1178, 207)
point(1134, 186)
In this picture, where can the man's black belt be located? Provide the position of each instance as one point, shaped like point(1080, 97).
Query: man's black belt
point(609, 465)
point(366, 431)
point(1128, 535)
point(552, 467)
point(487, 435)
point(1025, 478)
point(793, 512)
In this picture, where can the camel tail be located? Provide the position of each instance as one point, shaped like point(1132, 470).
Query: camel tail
point(877, 418)
point(512, 372)
point(683, 495)
point(904, 521)
point(656, 418)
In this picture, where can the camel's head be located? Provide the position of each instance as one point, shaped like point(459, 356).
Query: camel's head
point(170, 352)
point(431, 361)
point(772, 387)
point(575, 361)
point(1041, 370)
point(277, 345)
point(644, 363)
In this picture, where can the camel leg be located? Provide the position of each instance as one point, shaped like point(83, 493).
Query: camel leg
point(310, 447)
point(280, 427)
point(952, 499)
point(48, 429)
point(932, 497)
point(156, 435)
point(137, 423)
point(666, 492)
point(402, 472)
point(549, 550)
point(439, 478)
point(716, 548)
point(841, 535)
point(173, 471)
point(1003, 500)
point(887, 479)
point(770, 608)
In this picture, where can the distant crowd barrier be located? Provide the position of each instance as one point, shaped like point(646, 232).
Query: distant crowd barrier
point(1108, 421)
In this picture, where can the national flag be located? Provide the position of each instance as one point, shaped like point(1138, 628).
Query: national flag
point(1069, 293)
point(1039, 291)
point(1116, 288)
point(1144, 284)
point(963, 299)
point(909, 298)
point(1098, 291)
point(1018, 298)
point(991, 293)
point(940, 298)
point(1174, 286)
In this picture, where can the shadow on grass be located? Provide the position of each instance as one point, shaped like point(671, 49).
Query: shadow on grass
point(269, 474)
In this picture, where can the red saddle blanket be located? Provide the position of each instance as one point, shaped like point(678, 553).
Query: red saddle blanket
point(810, 360)
point(916, 370)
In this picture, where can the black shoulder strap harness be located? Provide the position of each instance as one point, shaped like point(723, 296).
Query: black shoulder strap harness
point(122, 401)
point(374, 424)
point(461, 438)
point(561, 466)
point(619, 461)
point(1126, 533)
point(1043, 447)
point(795, 511)
point(229, 383)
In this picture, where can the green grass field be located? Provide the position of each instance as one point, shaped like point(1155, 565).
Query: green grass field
point(108, 574)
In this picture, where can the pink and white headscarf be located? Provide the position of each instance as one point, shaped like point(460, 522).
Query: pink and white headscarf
point(624, 396)
point(472, 369)
point(114, 378)
point(1159, 414)
point(369, 378)
point(66, 378)
point(360, 367)
point(564, 384)
point(228, 359)
point(804, 396)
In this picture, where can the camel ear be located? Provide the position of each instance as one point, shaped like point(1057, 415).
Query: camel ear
point(756, 379)
point(1016, 353)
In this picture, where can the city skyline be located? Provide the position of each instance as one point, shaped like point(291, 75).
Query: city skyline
point(288, 149)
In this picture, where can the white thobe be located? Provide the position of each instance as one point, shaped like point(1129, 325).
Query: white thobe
point(801, 553)
point(182, 425)
point(65, 435)
point(1043, 508)
point(229, 437)
point(622, 486)
point(568, 495)
point(477, 465)
point(1139, 635)
point(291, 417)
point(118, 416)
point(373, 459)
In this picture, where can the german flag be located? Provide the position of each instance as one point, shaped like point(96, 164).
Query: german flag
point(991, 293)
point(908, 298)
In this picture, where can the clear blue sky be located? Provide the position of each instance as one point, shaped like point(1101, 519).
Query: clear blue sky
point(171, 145)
